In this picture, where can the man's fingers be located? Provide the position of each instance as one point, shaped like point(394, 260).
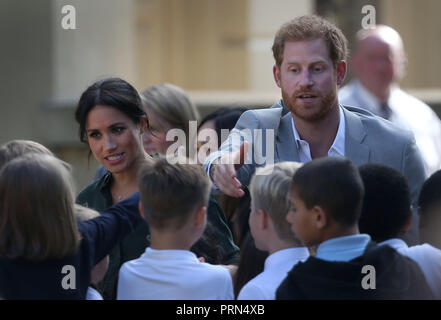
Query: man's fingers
point(225, 180)
point(224, 175)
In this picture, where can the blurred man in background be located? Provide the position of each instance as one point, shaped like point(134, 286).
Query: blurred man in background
point(378, 64)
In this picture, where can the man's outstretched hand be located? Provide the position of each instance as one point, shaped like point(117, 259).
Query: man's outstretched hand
point(224, 171)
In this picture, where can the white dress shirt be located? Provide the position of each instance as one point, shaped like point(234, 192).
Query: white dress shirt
point(337, 149)
point(277, 266)
point(173, 275)
point(408, 113)
point(428, 259)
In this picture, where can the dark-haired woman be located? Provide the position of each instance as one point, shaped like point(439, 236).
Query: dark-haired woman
point(112, 122)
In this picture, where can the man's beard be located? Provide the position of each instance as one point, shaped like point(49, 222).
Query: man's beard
point(325, 105)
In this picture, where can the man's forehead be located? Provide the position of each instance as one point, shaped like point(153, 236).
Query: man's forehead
point(312, 50)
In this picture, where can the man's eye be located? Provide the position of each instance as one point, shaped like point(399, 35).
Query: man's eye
point(294, 70)
point(318, 69)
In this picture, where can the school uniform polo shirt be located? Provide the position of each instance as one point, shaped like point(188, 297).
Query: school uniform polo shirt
point(173, 275)
point(277, 266)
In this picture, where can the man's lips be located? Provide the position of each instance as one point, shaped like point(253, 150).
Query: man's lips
point(306, 96)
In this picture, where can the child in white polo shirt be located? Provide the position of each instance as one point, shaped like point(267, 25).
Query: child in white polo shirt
point(174, 199)
point(270, 203)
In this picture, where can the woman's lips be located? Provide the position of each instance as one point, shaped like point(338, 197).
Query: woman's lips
point(115, 158)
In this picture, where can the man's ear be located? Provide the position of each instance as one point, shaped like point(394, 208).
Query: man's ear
point(320, 217)
point(408, 224)
point(199, 217)
point(341, 72)
point(141, 212)
point(276, 73)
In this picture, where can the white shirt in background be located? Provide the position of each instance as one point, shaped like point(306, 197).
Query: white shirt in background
point(428, 259)
point(407, 112)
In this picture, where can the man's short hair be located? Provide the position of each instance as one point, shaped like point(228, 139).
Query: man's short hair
point(270, 191)
point(171, 192)
point(386, 205)
point(310, 28)
point(334, 184)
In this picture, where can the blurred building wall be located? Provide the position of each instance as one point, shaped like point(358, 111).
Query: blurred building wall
point(419, 24)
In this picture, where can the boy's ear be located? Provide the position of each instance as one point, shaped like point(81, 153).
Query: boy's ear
point(406, 227)
point(199, 217)
point(141, 212)
point(320, 217)
point(263, 219)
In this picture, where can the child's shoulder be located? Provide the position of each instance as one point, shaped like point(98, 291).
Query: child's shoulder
point(212, 270)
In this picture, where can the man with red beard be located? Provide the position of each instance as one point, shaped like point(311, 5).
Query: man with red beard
point(308, 123)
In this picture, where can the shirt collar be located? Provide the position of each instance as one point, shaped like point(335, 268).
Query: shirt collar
point(365, 95)
point(394, 243)
point(343, 248)
point(104, 181)
point(171, 254)
point(338, 146)
point(290, 254)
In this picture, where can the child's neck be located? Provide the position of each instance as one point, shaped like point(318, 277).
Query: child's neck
point(278, 244)
point(169, 241)
point(337, 231)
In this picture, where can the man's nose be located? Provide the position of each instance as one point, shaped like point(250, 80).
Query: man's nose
point(306, 79)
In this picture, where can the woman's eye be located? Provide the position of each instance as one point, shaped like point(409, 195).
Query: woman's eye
point(94, 134)
point(118, 129)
